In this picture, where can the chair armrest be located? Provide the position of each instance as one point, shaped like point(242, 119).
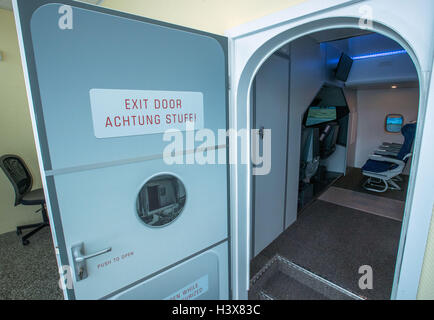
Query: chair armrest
point(386, 159)
point(408, 155)
point(389, 148)
point(392, 144)
point(385, 153)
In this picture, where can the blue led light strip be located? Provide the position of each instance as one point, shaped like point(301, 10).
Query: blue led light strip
point(379, 54)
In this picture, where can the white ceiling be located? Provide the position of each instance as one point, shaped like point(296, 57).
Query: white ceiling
point(7, 4)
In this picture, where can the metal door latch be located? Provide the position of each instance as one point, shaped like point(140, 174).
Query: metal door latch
point(80, 260)
point(261, 133)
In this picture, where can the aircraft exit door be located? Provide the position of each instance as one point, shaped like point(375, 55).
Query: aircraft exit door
point(104, 88)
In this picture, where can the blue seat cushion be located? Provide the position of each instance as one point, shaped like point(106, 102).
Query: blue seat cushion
point(378, 166)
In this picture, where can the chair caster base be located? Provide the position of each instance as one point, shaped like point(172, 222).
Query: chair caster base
point(36, 228)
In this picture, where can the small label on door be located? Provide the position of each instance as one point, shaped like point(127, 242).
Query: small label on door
point(191, 291)
point(119, 113)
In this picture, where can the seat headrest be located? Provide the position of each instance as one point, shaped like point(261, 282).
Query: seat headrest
point(409, 129)
point(409, 132)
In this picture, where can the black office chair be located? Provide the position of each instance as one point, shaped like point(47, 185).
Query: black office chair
point(22, 181)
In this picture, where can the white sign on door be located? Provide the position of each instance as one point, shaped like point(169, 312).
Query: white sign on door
point(119, 113)
point(191, 291)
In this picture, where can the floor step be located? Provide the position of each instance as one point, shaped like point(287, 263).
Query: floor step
point(262, 295)
point(280, 279)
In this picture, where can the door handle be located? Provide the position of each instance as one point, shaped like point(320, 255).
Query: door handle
point(259, 144)
point(261, 133)
point(80, 259)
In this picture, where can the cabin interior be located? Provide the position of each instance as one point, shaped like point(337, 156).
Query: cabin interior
point(340, 105)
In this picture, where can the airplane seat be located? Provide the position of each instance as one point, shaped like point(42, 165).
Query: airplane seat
point(309, 164)
point(383, 170)
point(328, 140)
point(310, 154)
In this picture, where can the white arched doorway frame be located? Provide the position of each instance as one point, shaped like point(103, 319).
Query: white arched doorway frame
point(252, 44)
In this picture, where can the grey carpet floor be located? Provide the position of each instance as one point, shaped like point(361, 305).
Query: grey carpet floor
point(28, 272)
point(385, 207)
point(354, 180)
point(334, 242)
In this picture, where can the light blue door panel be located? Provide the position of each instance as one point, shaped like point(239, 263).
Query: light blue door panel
point(107, 52)
point(202, 277)
point(93, 182)
point(99, 208)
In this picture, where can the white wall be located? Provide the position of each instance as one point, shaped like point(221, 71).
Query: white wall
point(16, 136)
point(271, 112)
point(373, 106)
point(307, 77)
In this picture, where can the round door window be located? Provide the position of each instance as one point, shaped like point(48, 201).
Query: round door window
point(161, 200)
